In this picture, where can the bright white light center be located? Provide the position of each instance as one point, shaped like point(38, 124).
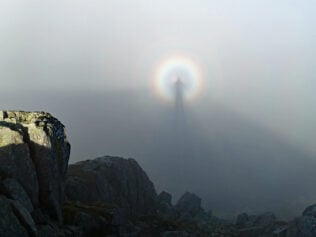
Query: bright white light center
point(173, 69)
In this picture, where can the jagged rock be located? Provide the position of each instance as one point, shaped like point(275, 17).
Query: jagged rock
point(35, 151)
point(14, 190)
point(112, 180)
point(9, 223)
point(189, 203)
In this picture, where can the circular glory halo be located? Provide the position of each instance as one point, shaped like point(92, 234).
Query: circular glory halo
point(170, 70)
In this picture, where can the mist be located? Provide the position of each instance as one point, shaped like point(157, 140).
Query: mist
point(247, 142)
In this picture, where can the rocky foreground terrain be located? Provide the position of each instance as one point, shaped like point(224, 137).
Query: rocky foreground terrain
point(41, 195)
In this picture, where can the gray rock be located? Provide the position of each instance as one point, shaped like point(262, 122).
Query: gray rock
point(112, 180)
point(164, 197)
point(34, 150)
point(94, 220)
point(15, 158)
point(164, 205)
point(47, 231)
point(189, 203)
point(25, 218)
point(9, 223)
point(14, 190)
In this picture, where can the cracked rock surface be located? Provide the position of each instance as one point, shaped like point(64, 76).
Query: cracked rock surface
point(34, 154)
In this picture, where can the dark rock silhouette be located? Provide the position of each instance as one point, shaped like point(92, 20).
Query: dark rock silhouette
point(107, 196)
point(189, 203)
point(164, 197)
point(112, 180)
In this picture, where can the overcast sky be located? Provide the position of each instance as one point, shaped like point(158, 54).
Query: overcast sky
point(74, 58)
point(257, 56)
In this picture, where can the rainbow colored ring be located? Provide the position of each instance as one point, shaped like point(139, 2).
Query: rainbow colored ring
point(169, 70)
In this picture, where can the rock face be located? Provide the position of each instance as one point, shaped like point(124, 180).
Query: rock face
point(9, 223)
point(94, 220)
point(34, 154)
point(112, 180)
point(94, 184)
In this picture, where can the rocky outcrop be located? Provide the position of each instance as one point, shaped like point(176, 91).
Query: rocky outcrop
point(107, 196)
point(164, 205)
point(165, 197)
point(189, 203)
point(34, 154)
point(112, 180)
point(188, 218)
point(95, 219)
point(95, 185)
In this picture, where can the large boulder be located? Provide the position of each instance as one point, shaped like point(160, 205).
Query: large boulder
point(189, 203)
point(112, 180)
point(34, 151)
